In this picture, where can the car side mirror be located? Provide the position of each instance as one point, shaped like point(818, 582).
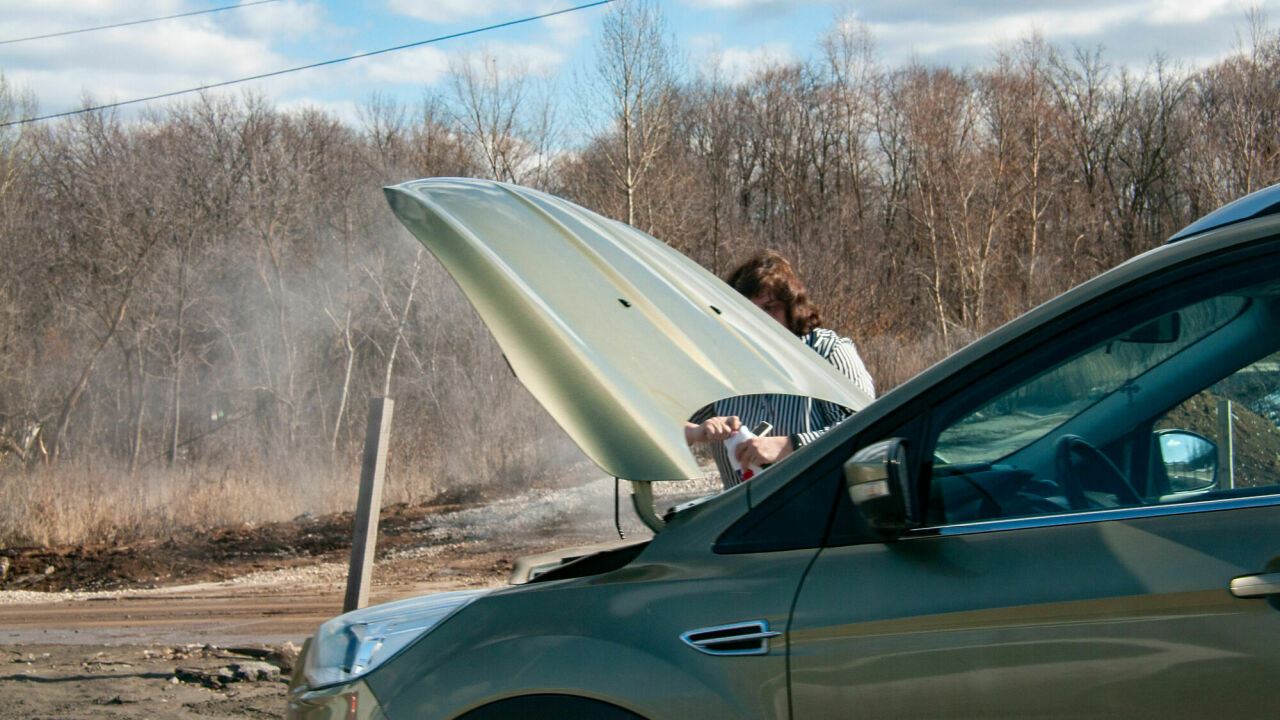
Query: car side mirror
point(1190, 460)
point(877, 480)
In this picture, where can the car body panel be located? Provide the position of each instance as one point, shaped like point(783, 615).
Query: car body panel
point(619, 337)
point(1123, 611)
point(352, 701)
point(614, 637)
point(1108, 618)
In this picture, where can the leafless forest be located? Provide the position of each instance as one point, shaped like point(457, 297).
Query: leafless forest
point(196, 305)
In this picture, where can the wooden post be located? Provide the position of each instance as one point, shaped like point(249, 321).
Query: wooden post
point(1226, 447)
point(365, 535)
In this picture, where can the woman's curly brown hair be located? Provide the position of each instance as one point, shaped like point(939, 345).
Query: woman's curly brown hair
point(768, 273)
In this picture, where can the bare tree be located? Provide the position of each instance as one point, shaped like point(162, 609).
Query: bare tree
point(1152, 141)
point(20, 427)
point(1021, 119)
point(1236, 105)
point(850, 61)
point(489, 100)
point(14, 104)
point(634, 66)
point(434, 147)
point(711, 122)
point(385, 126)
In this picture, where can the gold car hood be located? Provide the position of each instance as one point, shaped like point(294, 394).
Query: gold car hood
point(619, 337)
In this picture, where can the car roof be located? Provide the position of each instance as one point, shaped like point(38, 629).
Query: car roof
point(1254, 205)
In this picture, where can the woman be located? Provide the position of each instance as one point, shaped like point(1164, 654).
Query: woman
point(766, 278)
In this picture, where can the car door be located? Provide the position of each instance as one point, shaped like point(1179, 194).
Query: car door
point(1092, 541)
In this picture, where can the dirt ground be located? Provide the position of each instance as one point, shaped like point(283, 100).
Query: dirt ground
point(176, 652)
point(131, 681)
point(173, 627)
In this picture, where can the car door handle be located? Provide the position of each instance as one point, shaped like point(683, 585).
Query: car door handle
point(1260, 585)
point(747, 638)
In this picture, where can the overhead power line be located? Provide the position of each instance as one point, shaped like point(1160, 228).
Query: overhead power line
point(137, 22)
point(335, 61)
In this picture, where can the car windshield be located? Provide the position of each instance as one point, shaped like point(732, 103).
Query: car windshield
point(1028, 412)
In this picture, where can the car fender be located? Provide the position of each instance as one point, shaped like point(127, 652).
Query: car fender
point(615, 673)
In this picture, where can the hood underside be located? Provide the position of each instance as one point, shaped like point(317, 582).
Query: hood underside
point(620, 337)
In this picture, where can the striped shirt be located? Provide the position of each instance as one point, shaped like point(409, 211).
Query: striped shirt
point(802, 418)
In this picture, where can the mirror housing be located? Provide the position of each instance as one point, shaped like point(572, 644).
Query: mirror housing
point(878, 483)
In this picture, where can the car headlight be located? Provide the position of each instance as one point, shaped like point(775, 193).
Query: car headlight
point(351, 645)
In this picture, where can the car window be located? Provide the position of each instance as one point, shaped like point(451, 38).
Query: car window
point(1022, 414)
point(1130, 420)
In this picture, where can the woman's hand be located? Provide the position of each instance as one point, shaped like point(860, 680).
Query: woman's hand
point(711, 430)
point(761, 451)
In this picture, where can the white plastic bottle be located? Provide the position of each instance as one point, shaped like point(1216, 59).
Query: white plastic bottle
point(731, 444)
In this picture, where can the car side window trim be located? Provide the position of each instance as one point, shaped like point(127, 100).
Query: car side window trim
point(1093, 516)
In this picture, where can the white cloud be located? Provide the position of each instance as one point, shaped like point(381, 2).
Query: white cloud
point(141, 60)
point(738, 64)
point(732, 4)
point(346, 111)
point(121, 65)
point(420, 65)
point(515, 59)
point(1169, 12)
point(1137, 21)
point(743, 62)
point(290, 20)
point(445, 11)
point(739, 36)
point(565, 28)
point(25, 18)
point(929, 38)
point(570, 28)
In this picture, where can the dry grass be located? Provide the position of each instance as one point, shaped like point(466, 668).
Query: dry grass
point(75, 504)
point(86, 503)
point(893, 361)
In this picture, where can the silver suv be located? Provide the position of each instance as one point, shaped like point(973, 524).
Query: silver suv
point(1076, 516)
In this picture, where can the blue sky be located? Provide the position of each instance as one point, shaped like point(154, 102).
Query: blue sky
point(741, 35)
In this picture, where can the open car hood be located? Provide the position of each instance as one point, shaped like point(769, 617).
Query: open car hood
point(619, 337)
